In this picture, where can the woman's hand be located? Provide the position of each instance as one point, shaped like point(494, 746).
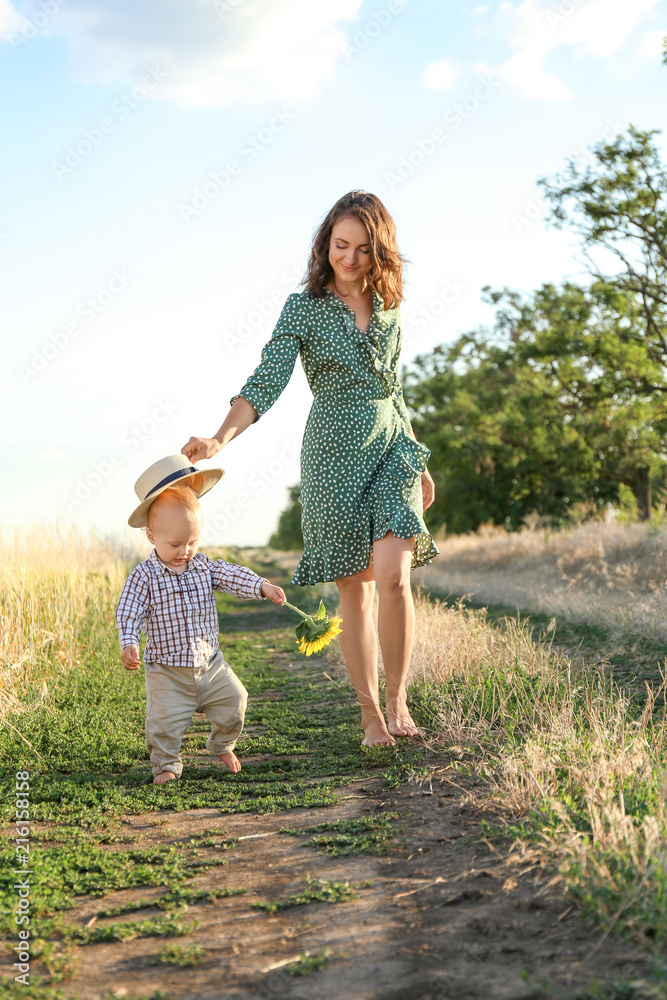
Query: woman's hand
point(199, 448)
point(241, 415)
point(428, 489)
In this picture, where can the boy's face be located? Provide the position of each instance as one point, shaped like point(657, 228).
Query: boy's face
point(174, 536)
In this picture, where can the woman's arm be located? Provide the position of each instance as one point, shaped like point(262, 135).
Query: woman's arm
point(264, 386)
point(240, 416)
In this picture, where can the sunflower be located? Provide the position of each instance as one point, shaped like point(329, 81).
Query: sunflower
point(316, 631)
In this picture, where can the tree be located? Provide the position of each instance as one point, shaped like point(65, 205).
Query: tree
point(549, 408)
point(618, 208)
point(288, 532)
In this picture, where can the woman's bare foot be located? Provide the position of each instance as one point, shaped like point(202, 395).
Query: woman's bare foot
point(163, 776)
point(401, 722)
point(375, 730)
point(231, 761)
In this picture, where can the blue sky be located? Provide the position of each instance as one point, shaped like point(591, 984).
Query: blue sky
point(164, 166)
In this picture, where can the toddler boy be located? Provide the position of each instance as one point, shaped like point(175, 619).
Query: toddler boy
point(170, 596)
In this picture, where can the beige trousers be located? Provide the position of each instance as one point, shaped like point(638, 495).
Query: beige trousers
point(174, 694)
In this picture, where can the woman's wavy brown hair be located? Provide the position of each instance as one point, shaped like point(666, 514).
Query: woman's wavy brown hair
point(386, 273)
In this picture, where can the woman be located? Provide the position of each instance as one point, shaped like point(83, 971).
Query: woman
point(364, 482)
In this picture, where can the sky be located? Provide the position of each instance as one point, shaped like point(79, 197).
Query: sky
point(166, 162)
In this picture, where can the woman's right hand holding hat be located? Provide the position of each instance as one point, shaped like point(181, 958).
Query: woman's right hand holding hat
point(199, 448)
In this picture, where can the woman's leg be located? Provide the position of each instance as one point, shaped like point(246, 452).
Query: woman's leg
point(392, 558)
point(358, 643)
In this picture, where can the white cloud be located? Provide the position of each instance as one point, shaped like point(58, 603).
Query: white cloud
point(440, 75)
point(10, 20)
point(482, 9)
point(215, 52)
point(652, 43)
point(534, 29)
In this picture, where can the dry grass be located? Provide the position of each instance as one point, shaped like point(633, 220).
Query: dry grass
point(610, 573)
point(50, 580)
point(557, 740)
point(529, 705)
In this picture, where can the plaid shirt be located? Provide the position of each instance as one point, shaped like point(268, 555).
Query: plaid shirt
point(177, 610)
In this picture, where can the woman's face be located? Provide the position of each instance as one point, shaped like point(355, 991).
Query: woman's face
point(349, 249)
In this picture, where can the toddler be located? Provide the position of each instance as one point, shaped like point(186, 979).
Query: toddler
point(170, 597)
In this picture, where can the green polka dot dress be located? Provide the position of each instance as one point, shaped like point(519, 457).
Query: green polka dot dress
point(360, 467)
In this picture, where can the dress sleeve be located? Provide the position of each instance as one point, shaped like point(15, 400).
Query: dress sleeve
point(278, 358)
point(399, 398)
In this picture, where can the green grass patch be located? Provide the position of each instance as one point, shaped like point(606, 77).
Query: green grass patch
point(307, 963)
point(127, 930)
point(180, 955)
point(316, 891)
point(175, 900)
point(366, 835)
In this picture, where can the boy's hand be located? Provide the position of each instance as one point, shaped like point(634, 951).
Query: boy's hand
point(276, 594)
point(130, 658)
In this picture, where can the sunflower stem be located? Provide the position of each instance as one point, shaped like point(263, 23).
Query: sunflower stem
point(286, 604)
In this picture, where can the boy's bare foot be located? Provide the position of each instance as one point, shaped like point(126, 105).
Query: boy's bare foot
point(401, 722)
point(231, 761)
point(376, 734)
point(163, 776)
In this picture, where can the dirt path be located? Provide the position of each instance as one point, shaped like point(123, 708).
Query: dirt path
point(445, 915)
point(437, 912)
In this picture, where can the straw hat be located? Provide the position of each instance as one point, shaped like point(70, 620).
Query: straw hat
point(169, 471)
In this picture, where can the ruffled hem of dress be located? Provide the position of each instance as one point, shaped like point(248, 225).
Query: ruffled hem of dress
point(335, 563)
point(406, 465)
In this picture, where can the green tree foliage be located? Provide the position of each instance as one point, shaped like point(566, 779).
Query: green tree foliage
point(618, 208)
point(553, 406)
point(288, 533)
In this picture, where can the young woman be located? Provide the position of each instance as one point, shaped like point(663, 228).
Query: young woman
point(364, 482)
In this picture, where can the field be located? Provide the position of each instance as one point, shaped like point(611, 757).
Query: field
point(517, 851)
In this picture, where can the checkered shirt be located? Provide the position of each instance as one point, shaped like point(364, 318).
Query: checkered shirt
point(177, 611)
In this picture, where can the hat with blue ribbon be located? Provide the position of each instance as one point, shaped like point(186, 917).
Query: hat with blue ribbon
point(174, 470)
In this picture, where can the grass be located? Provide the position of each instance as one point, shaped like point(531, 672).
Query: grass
point(39, 989)
point(184, 957)
point(635, 660)
point(573, 760)
point(128, 930)
point(174, 900)
point(607, 574)
point(307, 963)
point(316, 891)
point(366, 835)
point(84, 750)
